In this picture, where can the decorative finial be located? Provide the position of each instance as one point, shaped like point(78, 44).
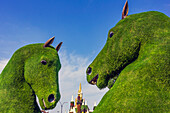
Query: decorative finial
point(95, 104)
point(83, 102)
point(86, 103)
point(72, 100)
point(79, 91)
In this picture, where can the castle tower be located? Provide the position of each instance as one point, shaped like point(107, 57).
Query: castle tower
point(80, 105)
point(83, 102)
point(75, 102)
point(80, 92)
point(79, 99)
point(83, 106)
point(72, 103)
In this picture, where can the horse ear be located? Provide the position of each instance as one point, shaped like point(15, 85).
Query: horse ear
point(49, 42)
point(125, 10)
point(58, 46)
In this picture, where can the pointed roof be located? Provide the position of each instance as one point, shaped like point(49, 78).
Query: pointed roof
point(95, 104)
point(85, 102)
point(79, 91)
point(72, 100)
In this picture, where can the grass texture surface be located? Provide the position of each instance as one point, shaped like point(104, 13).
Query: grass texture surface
point(134, 64)
point(26, 76)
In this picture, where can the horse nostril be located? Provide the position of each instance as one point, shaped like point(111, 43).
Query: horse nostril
point(89, 70)
point(51, 98)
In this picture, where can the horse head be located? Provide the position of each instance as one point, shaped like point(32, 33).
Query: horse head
point(114, 56)
point(41, 73)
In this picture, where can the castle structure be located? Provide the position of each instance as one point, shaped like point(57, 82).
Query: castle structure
point(80, 105)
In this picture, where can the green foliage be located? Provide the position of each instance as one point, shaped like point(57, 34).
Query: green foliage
point(25, 76)
point(139, 52)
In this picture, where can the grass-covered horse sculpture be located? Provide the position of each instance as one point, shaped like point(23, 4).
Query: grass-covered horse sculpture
point(32, 70)
point(134, 64)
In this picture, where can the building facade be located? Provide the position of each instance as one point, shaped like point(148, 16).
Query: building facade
point(80, 105)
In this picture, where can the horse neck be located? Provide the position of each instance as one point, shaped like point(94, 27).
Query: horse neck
point(13, 87)
point(14, 70)
point(153, 46)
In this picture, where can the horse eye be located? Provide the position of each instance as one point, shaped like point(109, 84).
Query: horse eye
point(43, 62)
point(111, 34)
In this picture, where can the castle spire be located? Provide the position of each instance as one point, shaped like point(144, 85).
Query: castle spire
point(95, 104)
point(80, 94)
point(72, 100)
point(79, 91)
point(85, 102)
point(72, 103)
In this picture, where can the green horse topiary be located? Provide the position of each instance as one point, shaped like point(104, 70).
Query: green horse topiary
point(32, 70)
point(134, 64)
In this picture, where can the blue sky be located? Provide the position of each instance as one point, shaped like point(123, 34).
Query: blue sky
point(82, 25)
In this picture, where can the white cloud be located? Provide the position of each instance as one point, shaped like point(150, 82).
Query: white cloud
point(72, 73)
point(3, 63)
